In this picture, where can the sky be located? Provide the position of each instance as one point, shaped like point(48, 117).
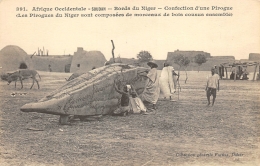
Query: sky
point(236, 35)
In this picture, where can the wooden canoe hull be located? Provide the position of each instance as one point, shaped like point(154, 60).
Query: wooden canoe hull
point(92, 93)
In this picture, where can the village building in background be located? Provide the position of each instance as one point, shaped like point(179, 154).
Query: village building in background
point(84, 61)
point(12, 57)
point(211, 60)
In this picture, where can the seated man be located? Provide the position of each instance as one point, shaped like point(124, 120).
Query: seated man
point(124, 108)
point(244, 76)
point(136, 103)
point(232, 75)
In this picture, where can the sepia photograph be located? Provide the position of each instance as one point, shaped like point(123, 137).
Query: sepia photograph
point(130, 83)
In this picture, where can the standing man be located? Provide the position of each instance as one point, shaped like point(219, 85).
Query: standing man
point(175, 79)
point(50, 70)
point(167, 84)
point(212, 86)
point(151, 91)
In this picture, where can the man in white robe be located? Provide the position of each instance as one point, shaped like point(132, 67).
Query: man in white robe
point(151, 91)
point(167, 85)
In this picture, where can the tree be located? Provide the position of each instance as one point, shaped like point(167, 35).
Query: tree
point(144, 56)
point(178, 59)
point(200, 59)
point(181, 60)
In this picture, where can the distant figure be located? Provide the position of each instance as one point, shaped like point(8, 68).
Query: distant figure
point(215, 69)
point(212, 86)
point(151, 91)
point(258, 76)
point(244, 76)
point(50, 70)
point(232, 76)
point(221, 72)
point(124, 108)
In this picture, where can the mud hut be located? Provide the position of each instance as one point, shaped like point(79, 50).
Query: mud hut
point(254, 57)
point(84, 61)
point(12, 57)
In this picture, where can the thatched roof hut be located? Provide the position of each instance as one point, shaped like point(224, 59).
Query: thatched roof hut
point(11, 58)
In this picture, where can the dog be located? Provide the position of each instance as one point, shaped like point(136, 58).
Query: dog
point(22, 74)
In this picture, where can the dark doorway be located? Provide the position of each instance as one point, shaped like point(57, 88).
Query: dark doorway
point(67, 68)
point(23, 66)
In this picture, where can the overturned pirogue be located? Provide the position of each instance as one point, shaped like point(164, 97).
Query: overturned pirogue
point(90, 94)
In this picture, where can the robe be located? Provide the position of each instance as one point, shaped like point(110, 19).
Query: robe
point(152, 89)
point(167, 86)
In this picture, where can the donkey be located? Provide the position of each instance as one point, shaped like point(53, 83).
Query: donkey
point(22, 74)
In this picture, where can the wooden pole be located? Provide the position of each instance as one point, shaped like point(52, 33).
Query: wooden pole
point(235, 76)
point(254, 72)
point(258, 72)
point(220, 71)
point(113, 51)
point(178, 83)
point(226, 73)
point(178, 92)
point(33, 54)
point(178, 87)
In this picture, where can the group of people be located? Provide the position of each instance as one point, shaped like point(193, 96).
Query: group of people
point(241, 73)
point(156, 84)
point(164, 84)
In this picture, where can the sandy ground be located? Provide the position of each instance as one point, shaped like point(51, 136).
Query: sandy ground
point(185, 132)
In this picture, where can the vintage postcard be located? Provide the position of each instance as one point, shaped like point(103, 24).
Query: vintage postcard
point(138, 82)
